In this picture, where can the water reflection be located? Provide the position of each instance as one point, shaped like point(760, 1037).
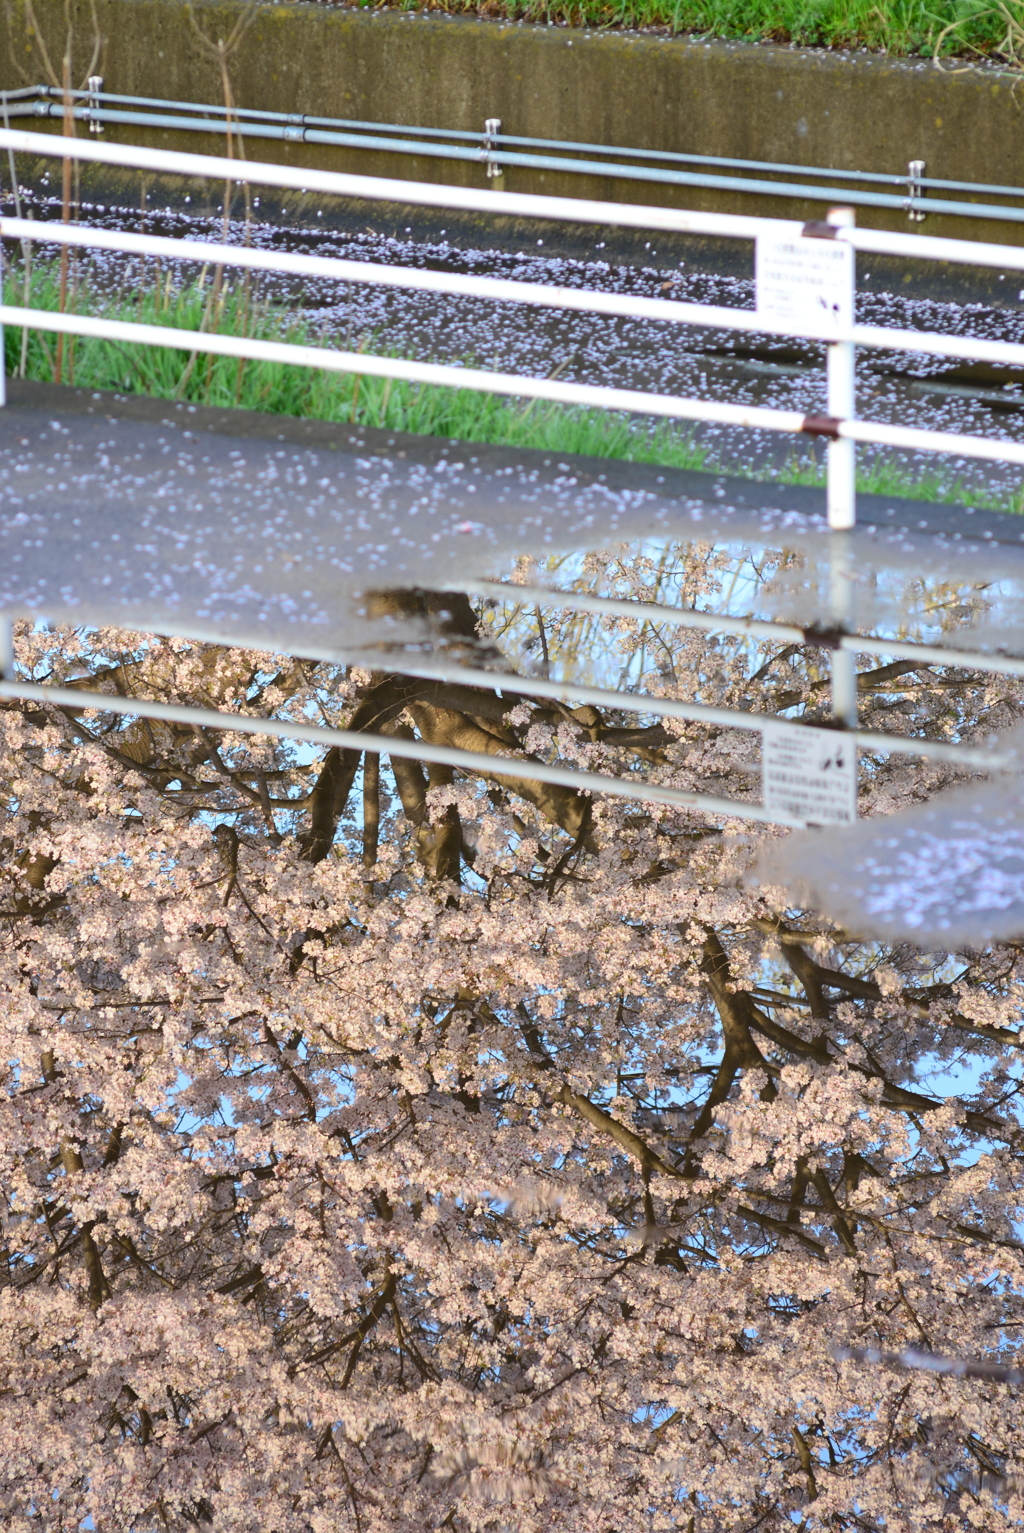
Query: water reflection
point(537, 1154)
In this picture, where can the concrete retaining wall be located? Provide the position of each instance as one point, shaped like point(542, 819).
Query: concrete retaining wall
point(845, 111)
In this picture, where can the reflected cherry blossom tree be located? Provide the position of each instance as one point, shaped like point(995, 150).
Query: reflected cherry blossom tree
point(386, 1149)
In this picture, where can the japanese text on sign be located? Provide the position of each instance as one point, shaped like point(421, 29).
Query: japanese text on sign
point(805, 284)
point(810, 774)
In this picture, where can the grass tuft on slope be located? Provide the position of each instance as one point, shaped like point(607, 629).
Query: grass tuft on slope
point(289, 390)
point(898, 27)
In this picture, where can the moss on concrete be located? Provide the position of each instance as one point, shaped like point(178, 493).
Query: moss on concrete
point(841, 110)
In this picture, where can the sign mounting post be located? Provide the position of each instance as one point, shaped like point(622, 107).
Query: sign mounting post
point(805, 285)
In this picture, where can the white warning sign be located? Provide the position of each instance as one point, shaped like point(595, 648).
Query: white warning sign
point(810, 774)
point(805, 284)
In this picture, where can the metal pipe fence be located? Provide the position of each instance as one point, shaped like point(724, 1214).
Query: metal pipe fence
point(805, 282)
point(496, 150)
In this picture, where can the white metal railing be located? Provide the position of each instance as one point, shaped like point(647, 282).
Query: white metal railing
point(838, 424)
point(840, 369)
point(820, 255)
point(392, 745)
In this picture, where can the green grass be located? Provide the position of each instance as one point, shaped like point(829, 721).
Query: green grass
point(394, 405)
point(893, 26)
point(928, 483)
point(286, 390)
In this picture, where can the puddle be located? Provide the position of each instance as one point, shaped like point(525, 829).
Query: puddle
point(275, 535)
point(997, 388)
point(779, 361)
point(947, 873)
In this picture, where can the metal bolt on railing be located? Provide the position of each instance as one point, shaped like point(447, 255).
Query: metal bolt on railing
point(915, 186)
point(93, 106)
point(492, 128)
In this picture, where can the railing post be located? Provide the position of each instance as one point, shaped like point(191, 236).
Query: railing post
point(915, 175)
point(843, 661)
point(492, 131)
point(842, 504)
point(841, 455)
point(94, 104)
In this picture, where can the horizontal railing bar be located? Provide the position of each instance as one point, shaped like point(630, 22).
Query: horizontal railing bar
point(978, 758)
point(333, 268)
point(991, 190)
point(507, 682)
point(985, 449)
point(632, 401)
point(611, 606)
point(715, 622)
point(870, 740)
point(446, 376)
point(571, 209)
point(306, 119)
point(415, 193)
point(933, 247)
point(243, 114)
point(272, 125)
point(725, 162)
point(779, 167)
point(67, 697)
point(296, 131)
point(416, 750)
point(496, 289)
point(932, 343)
point(497, 156)
point(935, 654)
